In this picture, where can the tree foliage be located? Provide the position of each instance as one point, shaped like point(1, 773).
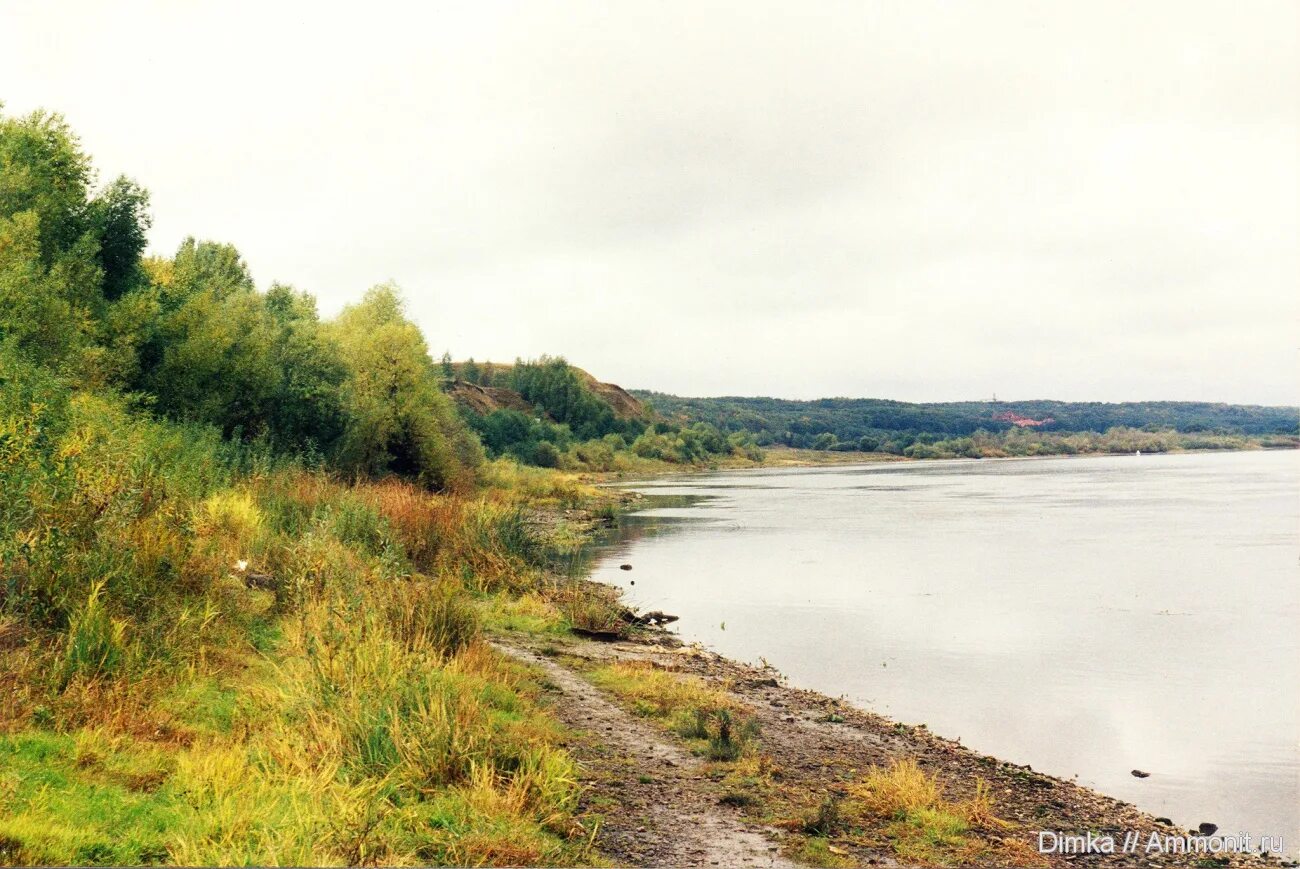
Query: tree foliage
point(398, 420)
point(192, 337)
point(561, 392)
point(893, 426)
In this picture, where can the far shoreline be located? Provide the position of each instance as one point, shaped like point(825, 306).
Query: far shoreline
point(616, 479)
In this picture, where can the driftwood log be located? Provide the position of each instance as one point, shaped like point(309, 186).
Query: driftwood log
point(654, 617)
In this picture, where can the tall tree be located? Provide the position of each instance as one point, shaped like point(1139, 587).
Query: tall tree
point(398, 419)
point(308, 408)
point(49, 271)
point(211, 357)
point(44, 171)
point(120, 219)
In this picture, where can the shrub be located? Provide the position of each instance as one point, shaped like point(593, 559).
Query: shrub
point(229, 513)
point(826, 820)
point(544, 455)
point(729, 737)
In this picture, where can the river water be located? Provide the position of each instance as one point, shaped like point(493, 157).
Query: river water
point(1087, 616)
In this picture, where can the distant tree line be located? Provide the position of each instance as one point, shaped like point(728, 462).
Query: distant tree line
point(895, 426)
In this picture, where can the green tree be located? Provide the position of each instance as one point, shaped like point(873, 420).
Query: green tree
point(49, 271)
point(120, 219)
point(825, 441)
point(45, 311)
point(398, 421)
point(211, 355)
point(307, 410)
point(472, 372)
point(44, 171)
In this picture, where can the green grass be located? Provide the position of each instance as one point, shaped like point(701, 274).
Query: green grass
point(529, 613)
point(202, 704)
point(96, 642)
point(816, 851)
point(708, 717)
point(70, 801)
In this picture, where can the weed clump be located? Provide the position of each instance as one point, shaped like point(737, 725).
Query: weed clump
point(95, 644)
point(922, 823)
point(729, 737)
point(826, 820)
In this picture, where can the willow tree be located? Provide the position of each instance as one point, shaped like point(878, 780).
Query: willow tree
point(398, 420)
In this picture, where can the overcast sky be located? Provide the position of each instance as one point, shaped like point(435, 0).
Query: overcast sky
point(1089, 200)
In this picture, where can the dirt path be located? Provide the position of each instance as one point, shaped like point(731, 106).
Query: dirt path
point(660, 808)
point(657, 808)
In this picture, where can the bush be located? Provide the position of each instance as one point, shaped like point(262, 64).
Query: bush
point(229, 513)
point(825, 441)
point(729, 737)
point(398, 420)
point(544, 455)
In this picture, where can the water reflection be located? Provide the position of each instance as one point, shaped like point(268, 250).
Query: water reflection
point(1087, 616)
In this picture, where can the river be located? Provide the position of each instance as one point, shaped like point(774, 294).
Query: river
point(1087, 616)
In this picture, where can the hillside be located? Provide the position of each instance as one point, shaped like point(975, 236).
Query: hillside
point(485, 399)
point(490, 389)
point(624, 404)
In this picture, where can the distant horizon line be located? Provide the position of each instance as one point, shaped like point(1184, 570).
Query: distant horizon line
point(991, 400)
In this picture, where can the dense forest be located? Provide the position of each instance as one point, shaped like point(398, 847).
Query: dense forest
point(894, 426)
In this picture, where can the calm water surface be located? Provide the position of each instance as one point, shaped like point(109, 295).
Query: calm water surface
point(1087, 616)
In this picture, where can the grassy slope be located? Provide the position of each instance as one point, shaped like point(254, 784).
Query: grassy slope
point(211, 659)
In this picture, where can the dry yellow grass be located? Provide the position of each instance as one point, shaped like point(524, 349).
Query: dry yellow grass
point(927, 827)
